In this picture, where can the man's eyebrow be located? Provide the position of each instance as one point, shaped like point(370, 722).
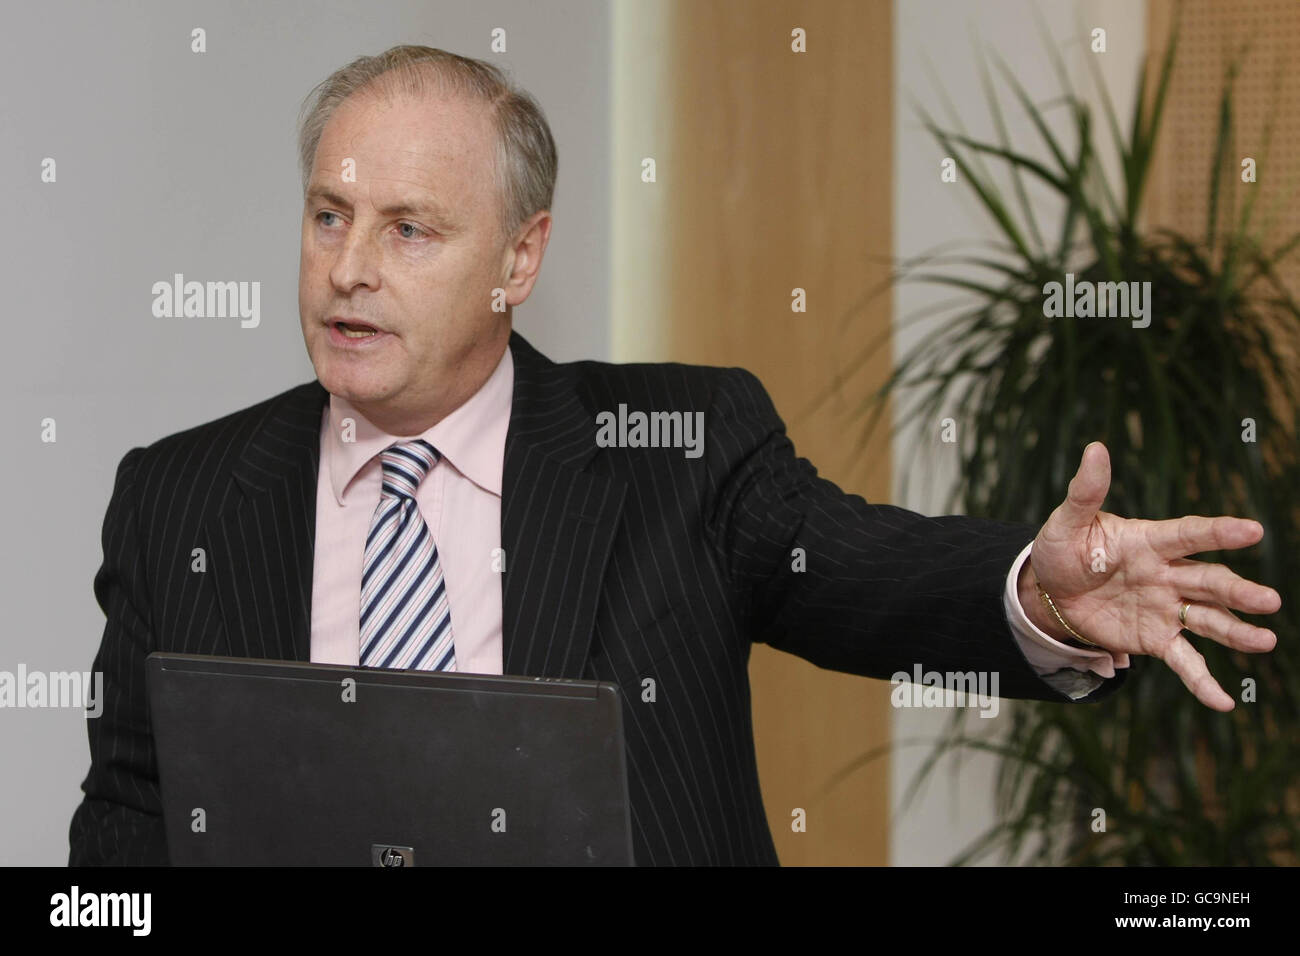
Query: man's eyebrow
point(429, 208)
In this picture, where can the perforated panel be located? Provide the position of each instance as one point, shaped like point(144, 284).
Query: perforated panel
point(1265, 36)
point(1213, 31)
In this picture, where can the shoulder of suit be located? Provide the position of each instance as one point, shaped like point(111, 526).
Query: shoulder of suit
point(231, 431)
point(690, 384)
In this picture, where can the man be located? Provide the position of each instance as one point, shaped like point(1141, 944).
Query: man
point(439, 499)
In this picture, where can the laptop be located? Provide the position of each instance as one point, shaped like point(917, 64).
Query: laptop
point(285, 763)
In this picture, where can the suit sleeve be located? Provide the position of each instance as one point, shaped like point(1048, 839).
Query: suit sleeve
point(119, 821)
point(882, 590)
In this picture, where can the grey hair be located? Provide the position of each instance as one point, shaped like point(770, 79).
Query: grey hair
point(526, 161)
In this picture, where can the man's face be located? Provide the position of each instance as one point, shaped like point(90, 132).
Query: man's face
point(411, 249)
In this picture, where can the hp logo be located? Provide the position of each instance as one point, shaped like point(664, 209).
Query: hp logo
point(382, 854)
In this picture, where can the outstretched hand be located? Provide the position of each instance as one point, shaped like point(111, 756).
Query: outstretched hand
point(1121, 583)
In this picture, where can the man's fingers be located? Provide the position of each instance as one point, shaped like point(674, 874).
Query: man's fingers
point(1192, 534)
point(1219, 584)
point(1220, 624)
point(1189, 664)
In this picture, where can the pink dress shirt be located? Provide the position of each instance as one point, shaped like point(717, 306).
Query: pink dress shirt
point(460, 499)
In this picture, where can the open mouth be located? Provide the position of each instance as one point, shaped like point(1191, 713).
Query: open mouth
point(356, 330)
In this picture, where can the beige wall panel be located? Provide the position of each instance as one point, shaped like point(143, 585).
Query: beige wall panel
point(779, 178)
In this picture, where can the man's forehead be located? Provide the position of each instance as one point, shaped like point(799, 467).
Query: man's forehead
point(395, 146)
point(408, 129)
point(380, 176)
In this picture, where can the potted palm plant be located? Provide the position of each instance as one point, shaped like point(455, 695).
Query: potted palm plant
point(1198, 411)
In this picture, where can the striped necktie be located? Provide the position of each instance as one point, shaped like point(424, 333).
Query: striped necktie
point(405, 617)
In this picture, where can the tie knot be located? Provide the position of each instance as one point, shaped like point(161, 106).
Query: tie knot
point(405, 465)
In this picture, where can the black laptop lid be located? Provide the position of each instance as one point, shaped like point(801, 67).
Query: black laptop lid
point(286, 763)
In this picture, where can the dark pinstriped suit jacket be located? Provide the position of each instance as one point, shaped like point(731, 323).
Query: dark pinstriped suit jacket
point(621, 564)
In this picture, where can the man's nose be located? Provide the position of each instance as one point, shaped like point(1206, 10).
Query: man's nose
point(357, 262)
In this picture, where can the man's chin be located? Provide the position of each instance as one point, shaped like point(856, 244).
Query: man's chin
point(360, 394)
point(363, 401)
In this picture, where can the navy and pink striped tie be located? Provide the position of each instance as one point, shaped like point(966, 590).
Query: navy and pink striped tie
point(405, 617)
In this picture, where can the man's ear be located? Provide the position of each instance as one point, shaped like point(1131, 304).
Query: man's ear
point(524, 256)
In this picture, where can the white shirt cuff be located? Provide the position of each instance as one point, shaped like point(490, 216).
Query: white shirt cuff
point(1069, 669)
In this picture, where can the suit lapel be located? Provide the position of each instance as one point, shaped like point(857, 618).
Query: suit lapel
point(263, 546)
point(557, 522)
point(557, 526)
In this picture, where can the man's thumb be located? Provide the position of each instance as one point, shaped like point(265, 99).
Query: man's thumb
point(1088, 487)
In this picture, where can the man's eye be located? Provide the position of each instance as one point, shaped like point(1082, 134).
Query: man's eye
point(411, 225)
point(324, 213)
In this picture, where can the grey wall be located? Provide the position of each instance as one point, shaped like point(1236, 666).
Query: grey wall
point(170, 161)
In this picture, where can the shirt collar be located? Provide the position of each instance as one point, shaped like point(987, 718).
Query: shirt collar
point(471, 439)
